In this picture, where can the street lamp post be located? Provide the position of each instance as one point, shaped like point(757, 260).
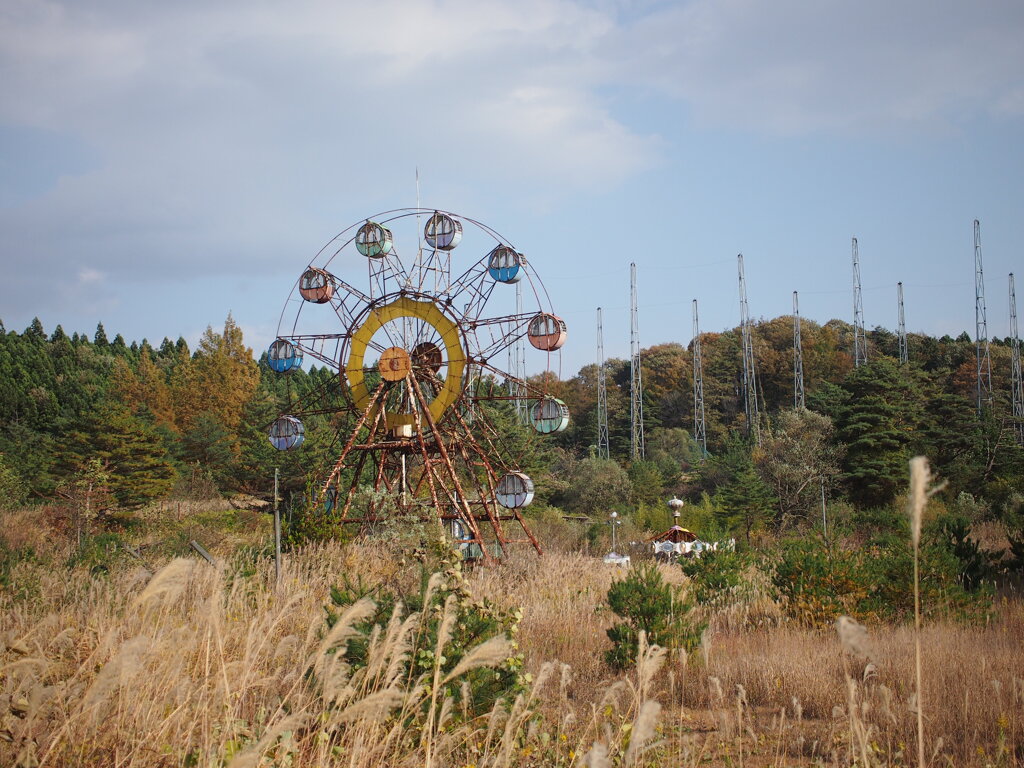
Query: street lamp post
point(614, 521)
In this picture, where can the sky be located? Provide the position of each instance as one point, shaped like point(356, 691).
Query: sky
point(162, 164)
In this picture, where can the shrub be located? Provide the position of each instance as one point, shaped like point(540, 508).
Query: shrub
point(663, 611)
point(443, 598)
point(717, 575)
point(819, 579)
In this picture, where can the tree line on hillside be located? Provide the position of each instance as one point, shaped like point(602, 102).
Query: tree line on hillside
point(99, 423)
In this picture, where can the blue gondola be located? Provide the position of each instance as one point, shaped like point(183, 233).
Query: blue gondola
point(505, 265)
point(284, 357)
point(286, 433)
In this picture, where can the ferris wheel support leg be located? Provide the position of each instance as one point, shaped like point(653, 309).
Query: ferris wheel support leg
point(492, 482)
point(495, 519)
point(353, 487)
point(462, 505)
point(348, 446)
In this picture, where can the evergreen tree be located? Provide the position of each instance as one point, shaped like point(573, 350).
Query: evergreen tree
point(100, 339)
point(745, 500)
point(210, 446)
point(877, 424)
point(133, 456)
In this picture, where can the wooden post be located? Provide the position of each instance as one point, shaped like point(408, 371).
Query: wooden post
point(277, 532)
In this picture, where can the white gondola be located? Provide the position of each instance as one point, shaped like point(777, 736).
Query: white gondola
point(515, 490)
point(442, 232)
point(286, 433)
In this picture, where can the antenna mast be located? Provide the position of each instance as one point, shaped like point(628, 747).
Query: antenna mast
point(636, 408)
point(602, 395)
point(749, 375)
point(860, 340)
point(901, 325)
point(1016, 382)
point(798, 357)
point(981, 327)
point(700, 433)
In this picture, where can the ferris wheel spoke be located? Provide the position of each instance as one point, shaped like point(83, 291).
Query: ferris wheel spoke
point(471, 291)
point(324, 347)
point(494, 335)
point(387, 274)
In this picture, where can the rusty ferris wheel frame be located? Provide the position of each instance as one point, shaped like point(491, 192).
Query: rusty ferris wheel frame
point(418, 353)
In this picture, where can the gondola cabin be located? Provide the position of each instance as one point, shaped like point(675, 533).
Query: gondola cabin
point(505, 265)
point(548, 415)
point(442, 232)
point(283, 356)
point(515, 490)
point(286, 433)
point(315, 286)
point(373, 240)
point(547, 332)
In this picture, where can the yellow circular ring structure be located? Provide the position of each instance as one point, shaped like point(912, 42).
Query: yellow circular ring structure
point(445, 327)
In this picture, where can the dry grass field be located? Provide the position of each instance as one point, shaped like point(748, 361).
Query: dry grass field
point(187, 664)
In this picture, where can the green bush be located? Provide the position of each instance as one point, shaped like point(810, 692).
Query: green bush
point(647, 603)
point(821, 578)
point(476, 621)
point(717, 575)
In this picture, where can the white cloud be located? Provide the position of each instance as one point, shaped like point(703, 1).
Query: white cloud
point(87, 275)
point(792, 67)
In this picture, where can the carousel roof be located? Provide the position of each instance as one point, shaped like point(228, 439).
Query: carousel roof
point(675, 534)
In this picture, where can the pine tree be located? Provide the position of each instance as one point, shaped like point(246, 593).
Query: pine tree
point(100, 339)
point(878, 424)
point(133, 456)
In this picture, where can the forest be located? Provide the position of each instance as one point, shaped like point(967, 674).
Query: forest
point(133, 423)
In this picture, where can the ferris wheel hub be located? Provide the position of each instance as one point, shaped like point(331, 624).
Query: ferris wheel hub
point(394, 364)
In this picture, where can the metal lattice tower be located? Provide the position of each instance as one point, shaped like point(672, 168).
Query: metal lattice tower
point(984, 367)
point(700, 433)
point(636, 406)
point(602, 395)
point(1016, 382)
point(749, 374)
point(901, 325)
point(860, 339)
point(798, 357)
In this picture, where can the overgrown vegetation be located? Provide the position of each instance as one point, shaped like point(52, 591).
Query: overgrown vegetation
point(192, 664)
point(661, 611)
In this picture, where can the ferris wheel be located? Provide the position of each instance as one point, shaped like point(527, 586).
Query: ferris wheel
point(425, 346)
